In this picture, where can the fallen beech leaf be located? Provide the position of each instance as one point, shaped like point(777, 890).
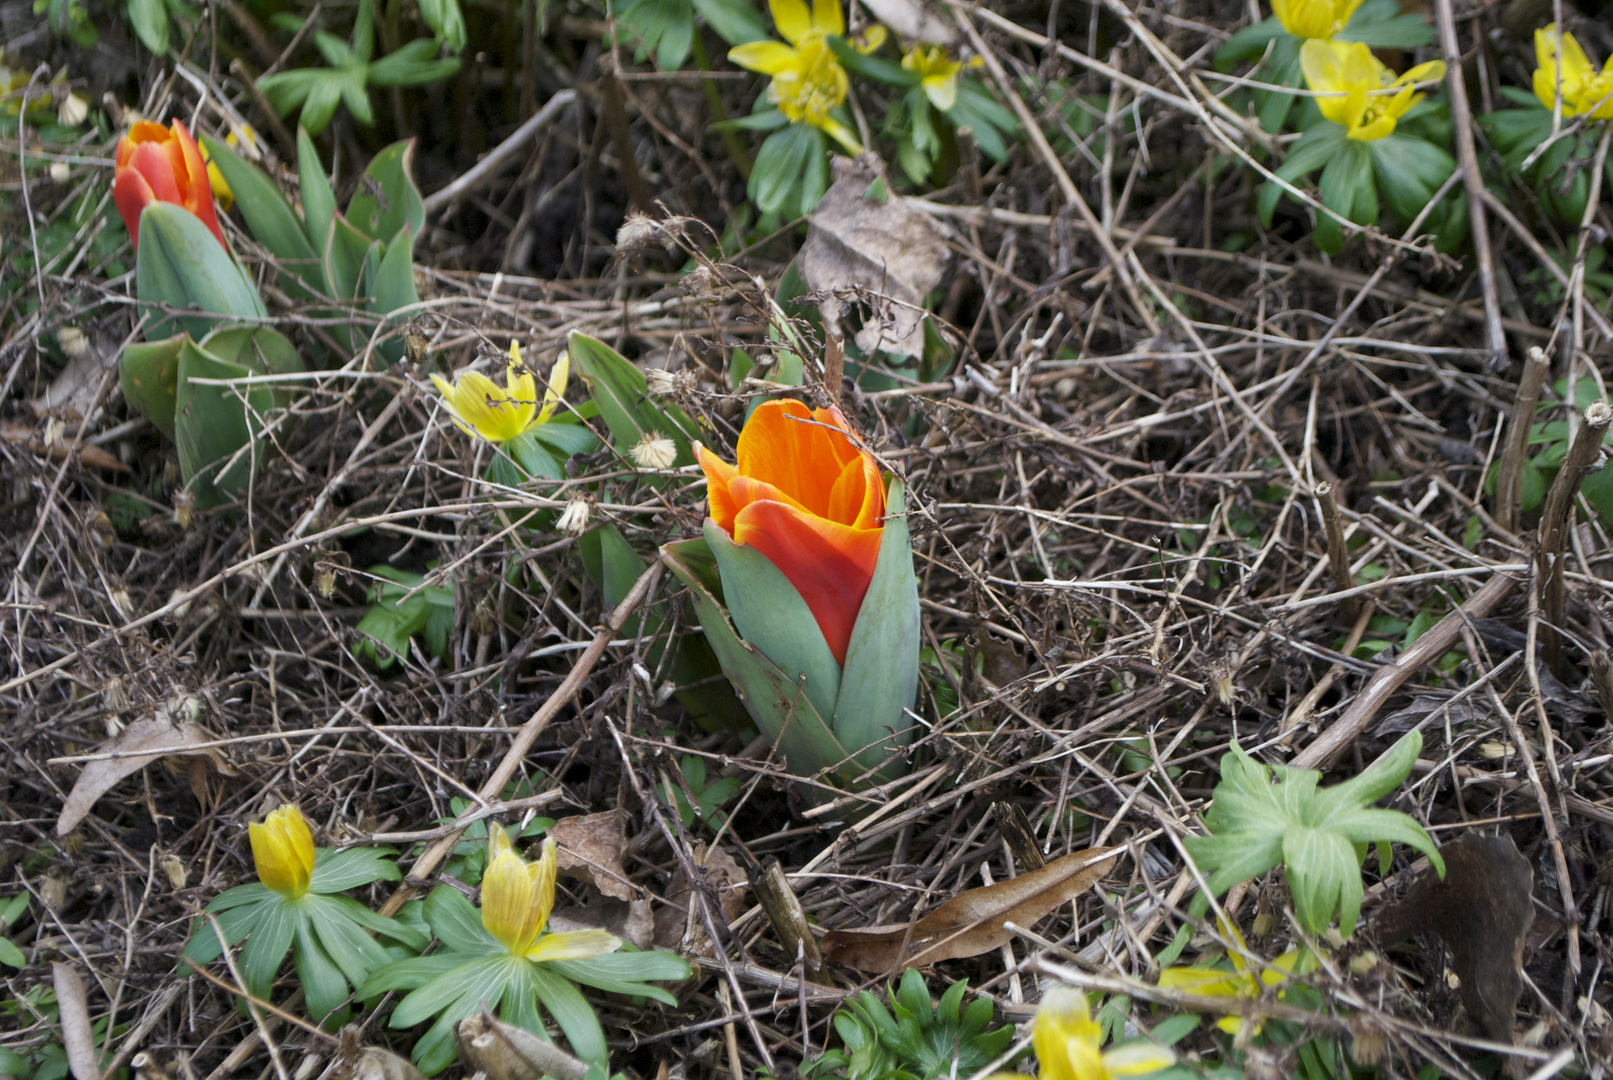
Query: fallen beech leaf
point(864, 237)
point(355, 1061)
point(679, 926)
point(141, 743)
point(971, 923)
point(591, 847)
point(1482, 911)
point(78, 1036)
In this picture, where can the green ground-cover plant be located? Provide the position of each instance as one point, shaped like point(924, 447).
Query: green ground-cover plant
point(1318, 834)
point(1553, 437)
point(911, 1040)
point(402, 605)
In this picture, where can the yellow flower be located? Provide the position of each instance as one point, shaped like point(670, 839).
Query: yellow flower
point(517, 897)
point(1240, 983)
point(1314, 18)
point(1583, 87)
point(283, 850)
point(215, 179)
point(1067, 1040)
point(939, 72)
point(808, 81)
point(481, 408)
point(1354, 86)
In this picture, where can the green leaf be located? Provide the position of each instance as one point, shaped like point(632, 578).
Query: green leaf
point(150, 21)
point(271, 220)
point(784, 715)
point(620, 392)
point(323, 984)
point(354, 952)
point(268, 944)
point(318, 200)
point(627, 972)
point(338, 871)
point(1349, 191)
point(1248, 43)
point(776, 175)
point(413, 65)
point(735, 21)
point(456, 923)
point(182, 265)
point(387, 200)
point(771, 617)
point(880, 682)
point(854, 59)
point(216, 427)
point(446, 20)
point(1310, 152)
point(570, 1010)
point(482, 976)
point(11, 956)
point(149, 376)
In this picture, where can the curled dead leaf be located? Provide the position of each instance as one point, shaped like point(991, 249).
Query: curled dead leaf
point(866, 240)
point(170, 731)
point(506, 1052)
point(78, 1035)
point(591, 847)
point(971, 923)
point(1482, 911)
point(679, 925)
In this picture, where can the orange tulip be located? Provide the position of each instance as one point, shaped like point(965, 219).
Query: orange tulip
point(158, 164)
point(806, 497)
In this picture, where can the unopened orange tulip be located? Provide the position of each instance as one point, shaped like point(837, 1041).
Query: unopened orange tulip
point(806, 497)
point(158, 164)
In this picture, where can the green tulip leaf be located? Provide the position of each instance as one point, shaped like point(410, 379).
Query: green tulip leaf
point(786, 716)
point(770, 616)
point(880, 682)
point(387, 200)
point(182, 265)
point(212, 425)
point(318, 200)
point(619, 389)
point(149, 376)
point(273, 222)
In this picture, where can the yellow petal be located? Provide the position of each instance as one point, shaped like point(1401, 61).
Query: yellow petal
point(942, 90)
point(1429, 72)
point(873, 38)
point(283, 851)
point(1066, 1037)
point(559, 375)
point(1576, 65)
point(498, 842)
point(841, 134)
point(827, 17)
point(1230, 1024)
point(543, 876)
point(508, 911)
point(767, 57)
point(1374, 129)
point(1137, 1059)
point(1208, 982)
point(574, 945)
point(792, 17)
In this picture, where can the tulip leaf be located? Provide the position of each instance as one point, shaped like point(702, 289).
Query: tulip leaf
point(880, 682)
point(182, 265)
point(260, 350)
point(619, 389)
point(212, 424)
point(318, 200)
point(273, 222)
point(346, 251)
point(770, 615)
point(387, 201)
point(391, 288)
point(149, 376)
point(786, 716)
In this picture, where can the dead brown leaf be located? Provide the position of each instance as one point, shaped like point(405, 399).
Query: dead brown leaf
point(591, 847)
point(679, 925)
point(1482, 911)
point(971, 923)
point(73, 394)
point(78, 1035)
point(141, 743)
point(867, 240)
point(32, 441)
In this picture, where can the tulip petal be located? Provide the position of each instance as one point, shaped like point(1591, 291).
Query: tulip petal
point(193, 179)
point(153, 162)
point(720, 504)
point(132, 194)
point(789, 447)
point(829, 564)
point(574, 945)
point(858, 496)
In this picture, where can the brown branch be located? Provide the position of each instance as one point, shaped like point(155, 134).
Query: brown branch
point(1509, 475)
point(1555, 523)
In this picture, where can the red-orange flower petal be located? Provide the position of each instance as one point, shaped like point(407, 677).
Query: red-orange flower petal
point(158, 164)
point(808, 498)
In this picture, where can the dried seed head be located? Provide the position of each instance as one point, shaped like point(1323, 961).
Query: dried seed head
point(175, 869)
point(325, 580)
point(60, 171)
point(73, 111)
point(574, 518)
point(1367, 1045)
point(184, 508)
point(115, 693)
point(482, 622)
point(700, 282)
point(654, 451)
point(74, 342)
point(664, 383)
point(638, 232)
point(1363, 962)
point(53, 890)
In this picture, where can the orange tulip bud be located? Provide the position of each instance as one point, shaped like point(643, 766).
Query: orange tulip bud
point(158, 164)
point(806, 497)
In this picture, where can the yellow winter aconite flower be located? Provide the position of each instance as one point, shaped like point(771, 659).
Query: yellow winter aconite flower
point(215, 179)
point(939, 72)
point(808, 81)
point(283, 851)
point(1067, 1039)
point(1585, 91)
point(1314, 18)
point(481, 408)
point(517, 897)
point(1354, 87)
point(1240, 983)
